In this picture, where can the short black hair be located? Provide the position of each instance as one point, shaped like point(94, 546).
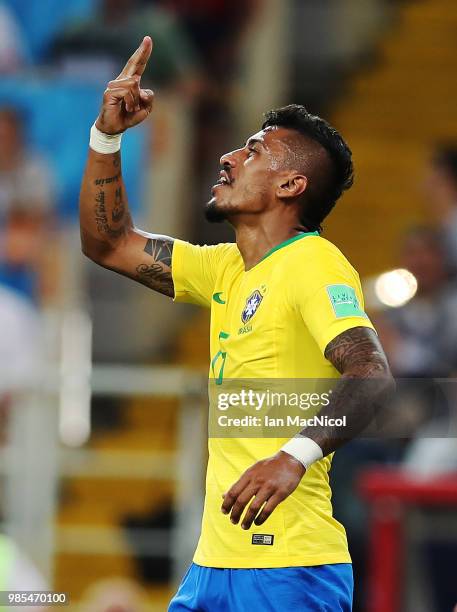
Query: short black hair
point(323, 192)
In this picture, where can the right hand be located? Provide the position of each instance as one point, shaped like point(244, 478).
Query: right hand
point(124, 103)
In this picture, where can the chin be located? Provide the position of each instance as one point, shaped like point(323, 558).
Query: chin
point(214, 213)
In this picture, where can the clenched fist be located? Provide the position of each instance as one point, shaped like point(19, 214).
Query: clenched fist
point(125, 104)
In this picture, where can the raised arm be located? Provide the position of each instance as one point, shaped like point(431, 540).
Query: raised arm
point(108, 235)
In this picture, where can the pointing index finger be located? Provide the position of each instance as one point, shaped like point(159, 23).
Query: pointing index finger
point(138, 61)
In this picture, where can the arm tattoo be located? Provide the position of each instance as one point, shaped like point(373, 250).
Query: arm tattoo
point(365, 384)
point(159, 250)
point(357, 350)
point(101, 218)
point(107, 232)
point(108, 180)
point(119, 207)
point(114, 210)
point(157, 275)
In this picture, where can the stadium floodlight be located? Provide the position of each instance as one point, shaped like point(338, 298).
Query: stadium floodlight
point(396, 287)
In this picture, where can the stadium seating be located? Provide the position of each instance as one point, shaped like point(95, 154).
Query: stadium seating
point(391, 135)
point(40, 21)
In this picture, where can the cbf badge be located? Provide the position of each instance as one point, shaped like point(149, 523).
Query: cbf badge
point(252, 303)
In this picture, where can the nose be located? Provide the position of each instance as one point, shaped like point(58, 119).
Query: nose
point(228, 160)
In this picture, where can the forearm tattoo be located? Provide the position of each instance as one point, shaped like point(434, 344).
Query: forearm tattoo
point(101, 218)
point(111, 214)
point(107, 181)
point(157, 275)
point(118, 211)
point(152, 265)
point(365, 384)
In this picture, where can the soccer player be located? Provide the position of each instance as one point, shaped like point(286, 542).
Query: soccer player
point(285, 304)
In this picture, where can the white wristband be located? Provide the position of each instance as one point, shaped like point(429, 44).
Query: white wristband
point(304, 450)
point(104, 143)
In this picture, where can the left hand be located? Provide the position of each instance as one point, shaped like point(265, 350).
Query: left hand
point(269, 482)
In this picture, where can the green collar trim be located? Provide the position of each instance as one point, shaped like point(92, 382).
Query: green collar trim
point(289, 241)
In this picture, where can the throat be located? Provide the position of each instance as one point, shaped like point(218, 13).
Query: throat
point(254, 247)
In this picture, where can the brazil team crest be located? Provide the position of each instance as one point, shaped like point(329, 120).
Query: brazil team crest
point(252, 303)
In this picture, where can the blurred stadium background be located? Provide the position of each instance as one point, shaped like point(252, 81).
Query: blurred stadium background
point(102, 405)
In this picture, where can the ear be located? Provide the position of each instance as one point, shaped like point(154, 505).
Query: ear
point(291, 186)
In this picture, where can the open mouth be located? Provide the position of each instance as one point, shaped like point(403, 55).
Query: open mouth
point(224, 178)
point(222, 182)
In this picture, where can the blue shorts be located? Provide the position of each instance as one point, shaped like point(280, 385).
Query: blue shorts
point(322, 588)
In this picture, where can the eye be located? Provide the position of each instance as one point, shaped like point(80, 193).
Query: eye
point(251, 152)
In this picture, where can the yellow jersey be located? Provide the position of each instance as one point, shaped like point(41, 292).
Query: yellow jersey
point(273, 321)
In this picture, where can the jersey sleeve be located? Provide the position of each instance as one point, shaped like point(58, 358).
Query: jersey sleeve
point(194, 270)
point(331, 299)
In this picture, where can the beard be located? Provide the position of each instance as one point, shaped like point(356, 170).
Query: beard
point(213, 213)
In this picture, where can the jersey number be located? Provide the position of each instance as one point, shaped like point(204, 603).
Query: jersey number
point(218, 363)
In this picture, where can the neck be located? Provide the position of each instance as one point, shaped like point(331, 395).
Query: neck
point(254, 242)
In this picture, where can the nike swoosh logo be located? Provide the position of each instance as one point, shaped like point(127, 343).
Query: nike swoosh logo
point(217, 297)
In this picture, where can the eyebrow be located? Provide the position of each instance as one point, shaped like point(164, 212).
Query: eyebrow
point(253, 141)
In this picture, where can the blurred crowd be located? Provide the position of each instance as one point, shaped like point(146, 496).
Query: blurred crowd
point(420, 340)
point(63, 54)
point(421, 337)
point(53, 50)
